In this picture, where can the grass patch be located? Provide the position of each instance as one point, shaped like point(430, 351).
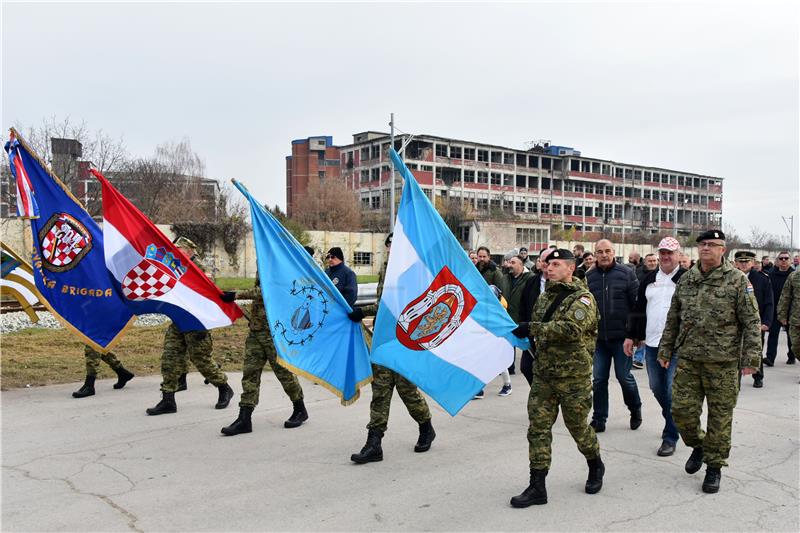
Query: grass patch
point(367, 279)
point(235, 284)
point(48, 356)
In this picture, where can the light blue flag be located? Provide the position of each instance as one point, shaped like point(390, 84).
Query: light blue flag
point(307, 314)
point(438, 323)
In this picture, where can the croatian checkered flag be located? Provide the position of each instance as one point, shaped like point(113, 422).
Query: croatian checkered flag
point(153, 275)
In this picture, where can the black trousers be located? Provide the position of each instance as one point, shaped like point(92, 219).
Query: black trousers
point(772, 341)
point(526, 365)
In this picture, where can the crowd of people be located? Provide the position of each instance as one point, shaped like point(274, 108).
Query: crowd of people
point(697, 327)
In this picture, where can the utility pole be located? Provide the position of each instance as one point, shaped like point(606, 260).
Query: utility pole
point(391, 180)
point(790, 227)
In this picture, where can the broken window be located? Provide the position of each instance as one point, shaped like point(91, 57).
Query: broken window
point(533, 161)
point(519, 207)
point(497, 179)
point(546, 183)
point(469, 154)
point(441, 150)
point(455, 152)
point(595, 167)
point(483, 155)
point(365, 153)
point(469, 176)
point(522, 181)
point(508, 159)
point(547, 163)
point(375, 174)
point(508, 180)
point(375, 151)
point(364, 176)
point(496, 157)
point(483, 177)
point(522, 160)
point(648, 176)
point(575, 165)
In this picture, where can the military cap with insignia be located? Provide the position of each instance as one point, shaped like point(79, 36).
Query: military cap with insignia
point(711, 234)
point(560, 253)
point(744, 255)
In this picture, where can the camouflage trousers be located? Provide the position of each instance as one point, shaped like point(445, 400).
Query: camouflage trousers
point(574, 395)
point(794, 335)
point(258, 349)
point(384, 382)
point(194, 346)
point(94, 357)
point(718, 384)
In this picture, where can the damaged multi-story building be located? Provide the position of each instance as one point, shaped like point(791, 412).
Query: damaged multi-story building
point(530, 192)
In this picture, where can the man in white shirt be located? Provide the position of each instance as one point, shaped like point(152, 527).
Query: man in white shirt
point(646, 324)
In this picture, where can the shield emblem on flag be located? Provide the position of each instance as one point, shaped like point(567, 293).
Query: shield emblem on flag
point(154, 276)
point(434, 315)
point(64, 241)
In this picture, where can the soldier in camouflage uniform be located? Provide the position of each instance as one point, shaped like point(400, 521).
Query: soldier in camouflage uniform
point(713, 325)
point(258, 349)
point(384, 381)
point(197, 346)
point(93, 359)
point(564, 326)
point(789, 307)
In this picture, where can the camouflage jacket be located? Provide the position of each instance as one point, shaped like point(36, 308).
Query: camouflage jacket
point(565, 344)
point(713, 318)
point(789, 303)
point(258, 315)
point(372, 309)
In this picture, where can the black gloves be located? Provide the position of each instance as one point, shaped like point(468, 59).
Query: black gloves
point(521, 331)
point(228, 296)
point(356, 315)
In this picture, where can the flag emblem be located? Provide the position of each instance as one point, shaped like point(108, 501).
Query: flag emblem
point(308, 315)
point(434, 315)
point(154, 276)
point(64, 241)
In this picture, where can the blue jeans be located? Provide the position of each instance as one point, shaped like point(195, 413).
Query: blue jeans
point(661, 385)
point(638, 354)
point(604, 352)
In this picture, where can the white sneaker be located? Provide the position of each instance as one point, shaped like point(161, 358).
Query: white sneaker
point(505, 391)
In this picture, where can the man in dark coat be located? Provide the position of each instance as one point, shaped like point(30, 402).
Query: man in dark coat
point(762, 287)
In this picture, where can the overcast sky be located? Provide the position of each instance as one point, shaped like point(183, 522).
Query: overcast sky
point(700, 87)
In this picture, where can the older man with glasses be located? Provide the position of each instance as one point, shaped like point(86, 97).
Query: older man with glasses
point(778, 276)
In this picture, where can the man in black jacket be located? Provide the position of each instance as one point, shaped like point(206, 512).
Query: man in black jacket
point(645, 326)
point(777, 277)
point(341, 275)
point(614, 288)
point(762, 287)
point(534, 286)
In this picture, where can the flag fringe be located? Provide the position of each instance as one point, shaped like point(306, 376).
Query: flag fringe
point(319, 381)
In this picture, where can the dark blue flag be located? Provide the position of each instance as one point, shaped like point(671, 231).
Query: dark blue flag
point(68, 262)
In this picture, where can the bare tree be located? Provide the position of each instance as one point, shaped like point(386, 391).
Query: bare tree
point(329, 205)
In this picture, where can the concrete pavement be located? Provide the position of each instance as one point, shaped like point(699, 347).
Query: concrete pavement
point(101, 464)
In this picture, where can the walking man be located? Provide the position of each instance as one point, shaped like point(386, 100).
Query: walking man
point(645, 326)
point(93, 359)
point(713, 325)
point(564, 325)
point(777, 277)
point(614, 289)
point(762, 289)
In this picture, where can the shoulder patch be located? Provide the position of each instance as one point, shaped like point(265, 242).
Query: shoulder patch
point(579, 314)
point(749, 288)
point(585, 300)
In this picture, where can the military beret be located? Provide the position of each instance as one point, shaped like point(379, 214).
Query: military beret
point(560, 253)
point(183, 242)
point(710, 234)
point(744, 254)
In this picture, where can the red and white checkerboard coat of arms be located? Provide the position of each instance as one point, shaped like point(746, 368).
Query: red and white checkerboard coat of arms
point(64, 241)
point(155, 275)
point(428, 320)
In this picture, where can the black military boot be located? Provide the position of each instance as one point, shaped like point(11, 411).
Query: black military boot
point(241, 424)
point(535, 494)
point(182, 382)
point(372, 451)
point(86, 390)
point(165, 406)
point(711, 482)
point(123, 376)
point(299, 415)
point(426, 436)
point(596, 471)
point(636, 418)
point(695, 461)
point(225, 396)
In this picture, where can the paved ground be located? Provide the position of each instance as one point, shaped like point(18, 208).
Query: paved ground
point(100, 464)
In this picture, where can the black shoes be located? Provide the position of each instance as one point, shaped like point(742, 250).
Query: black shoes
point(87, 389)
point(666, 449)
point(596, 471)
point(791, 361)
point(426, 436)
point(598, 426)
point(123, 376)
point(182, 383)
point(636, 418)
point(299, 415)
point(695, 461)
point(767, 362)
point(372, 451)
point(166, 405)
point(242, 424)
point(758, 383)
point(711, 482)
point(225, 396)
point(535, 494)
